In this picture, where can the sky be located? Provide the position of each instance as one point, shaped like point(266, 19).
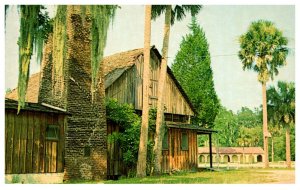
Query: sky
point(222, 24)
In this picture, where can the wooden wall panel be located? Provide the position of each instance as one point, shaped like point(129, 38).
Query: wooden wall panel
point(29, 152)
point(26, 148)
point(16, 145)
point(36, 143)
point(9, 128)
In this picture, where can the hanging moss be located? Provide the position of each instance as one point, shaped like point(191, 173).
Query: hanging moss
point(31, 35)
point(59, 41)
point(101, 16)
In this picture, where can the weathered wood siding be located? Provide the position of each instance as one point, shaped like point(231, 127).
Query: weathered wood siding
point(26, 148)
point(128, 89)
point(115, 165)
point(174, 158)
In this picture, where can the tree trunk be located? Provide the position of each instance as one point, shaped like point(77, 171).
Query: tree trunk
point(272, 150)
point(142, 156)
point(161, 84)
point(265, 125)
point(288, 146)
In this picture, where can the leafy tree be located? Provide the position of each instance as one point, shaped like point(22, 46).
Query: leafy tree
point(192, 63)
point(171, 14)
point(281, 106)
point(227, 127)
point(247, 118)
point(263, 49)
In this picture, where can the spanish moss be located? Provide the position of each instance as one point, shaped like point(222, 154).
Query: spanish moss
point(27, 38)
point(101, 16)
point(59, 41)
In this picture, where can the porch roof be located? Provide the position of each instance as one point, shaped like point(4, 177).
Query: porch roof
point(200, 130)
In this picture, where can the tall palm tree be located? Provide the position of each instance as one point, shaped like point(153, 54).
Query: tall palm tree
point(263, 50)
point(281, 106)
point(142, 156)
point(172, 13)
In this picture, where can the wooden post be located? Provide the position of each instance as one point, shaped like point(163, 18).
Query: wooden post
point(210, 151)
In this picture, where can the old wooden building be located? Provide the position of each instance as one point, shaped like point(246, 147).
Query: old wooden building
point(34, 139)
point(124, 80)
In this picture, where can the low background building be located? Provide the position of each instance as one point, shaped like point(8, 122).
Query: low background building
point(241, 155)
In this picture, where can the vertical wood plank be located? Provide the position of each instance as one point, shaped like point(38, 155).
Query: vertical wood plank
point(42, 145)
point(36, 142)
point(16, 150)
point(29, 149)
point(60, 144)
point(54, 156)
point(9, 127)
point(23, 137)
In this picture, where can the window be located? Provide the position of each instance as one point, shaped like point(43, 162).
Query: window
point(52, 132)
point(184, 141)
point(165, 144)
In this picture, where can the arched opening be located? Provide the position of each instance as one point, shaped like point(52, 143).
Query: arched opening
point(259, 158)
point(235, 158)
point(201, 158)
point(226, 159)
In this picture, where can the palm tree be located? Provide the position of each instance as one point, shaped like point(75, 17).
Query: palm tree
point(171, 13)
point(281, 106)
point(263, 50)
point(142, 156)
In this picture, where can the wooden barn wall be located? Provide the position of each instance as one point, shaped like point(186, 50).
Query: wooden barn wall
point(115, 165)
point(124, 90)
point(26, 148)
point(175, 158)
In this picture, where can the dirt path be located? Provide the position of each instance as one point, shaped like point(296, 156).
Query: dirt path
point(282, 176)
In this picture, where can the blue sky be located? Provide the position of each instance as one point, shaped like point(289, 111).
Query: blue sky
point(222, 24)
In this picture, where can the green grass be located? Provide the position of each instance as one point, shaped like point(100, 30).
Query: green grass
point(243, 176)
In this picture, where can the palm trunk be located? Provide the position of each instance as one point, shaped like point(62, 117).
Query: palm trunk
point(272, 150)
point(288, 146)
point(265, 125)
point(142, 156)
point(160, 107)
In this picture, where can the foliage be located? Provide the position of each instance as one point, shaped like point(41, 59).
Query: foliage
point(128, 138)
point(192, 63)
point(227, 126)
point(247, 118)
point(281, 107)
point(281, 103)
point(178, 11)
point(263, 49)
point(101, 16)
point(250, 137)
point(34, 28)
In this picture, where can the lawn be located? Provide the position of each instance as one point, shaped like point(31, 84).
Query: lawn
point(243, 176)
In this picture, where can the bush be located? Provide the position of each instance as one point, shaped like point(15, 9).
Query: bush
point(128, 138)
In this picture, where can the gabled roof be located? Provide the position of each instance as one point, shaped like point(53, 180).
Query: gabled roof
point(232, 150)
point(32, 92)
point(114, 66)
